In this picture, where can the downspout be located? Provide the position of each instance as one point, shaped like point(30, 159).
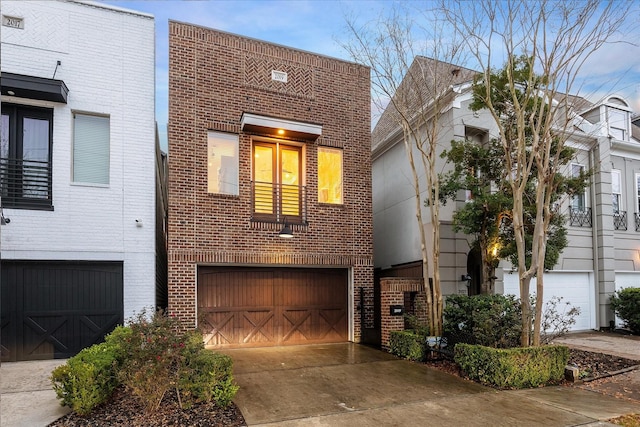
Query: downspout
point(594, 233)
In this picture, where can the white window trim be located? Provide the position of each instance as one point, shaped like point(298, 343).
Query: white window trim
point(618, 173)
point(586, 193)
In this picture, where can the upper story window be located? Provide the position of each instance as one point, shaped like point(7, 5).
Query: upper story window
point(277, 182)
point(618, 123)
point(222, 163)
point(329, 175)
point(579, 213)
point(619, 215)
point(91, 149)
point(25, 157)
point(616, 190)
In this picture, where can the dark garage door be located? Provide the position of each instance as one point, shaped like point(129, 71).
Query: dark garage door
point(272, 306)
point(55, 309)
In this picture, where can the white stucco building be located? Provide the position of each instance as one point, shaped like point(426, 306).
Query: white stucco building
point(603, 224)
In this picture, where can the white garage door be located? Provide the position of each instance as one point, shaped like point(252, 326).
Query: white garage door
point(626, 280)
point(575, 288)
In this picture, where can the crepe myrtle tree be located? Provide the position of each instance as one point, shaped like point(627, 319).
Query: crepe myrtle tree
point(410, 54)
point(545, 45)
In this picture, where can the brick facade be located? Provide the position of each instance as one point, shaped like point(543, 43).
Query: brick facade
point(215, 77)
point(394, 291)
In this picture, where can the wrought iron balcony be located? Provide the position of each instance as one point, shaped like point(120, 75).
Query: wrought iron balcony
point(25, 184)
point(580, 217)
point(620, 220)
point(272, 202)
point(637, 217)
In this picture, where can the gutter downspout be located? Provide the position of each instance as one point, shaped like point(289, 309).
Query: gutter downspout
point(594, 235)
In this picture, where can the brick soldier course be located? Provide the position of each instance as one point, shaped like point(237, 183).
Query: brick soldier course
point(215, 77)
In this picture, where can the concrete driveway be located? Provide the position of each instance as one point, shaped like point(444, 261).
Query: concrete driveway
point(354, 385)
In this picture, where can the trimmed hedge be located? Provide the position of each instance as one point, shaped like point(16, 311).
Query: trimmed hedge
point(407, 345)
point(514, 367)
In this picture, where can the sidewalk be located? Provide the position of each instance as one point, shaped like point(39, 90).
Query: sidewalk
point(26, 396)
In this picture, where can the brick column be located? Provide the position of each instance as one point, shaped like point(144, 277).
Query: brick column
point(392, 290)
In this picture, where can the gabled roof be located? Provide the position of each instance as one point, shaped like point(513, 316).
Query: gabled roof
point(429, 75)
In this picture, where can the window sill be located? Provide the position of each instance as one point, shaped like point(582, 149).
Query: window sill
point(89, 184)
point(223, 196)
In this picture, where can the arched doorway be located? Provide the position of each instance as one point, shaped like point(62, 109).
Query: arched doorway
point(474, 270)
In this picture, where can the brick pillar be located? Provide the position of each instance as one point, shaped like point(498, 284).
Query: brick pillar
point(392, 291)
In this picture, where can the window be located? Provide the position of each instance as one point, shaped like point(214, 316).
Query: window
point(277, 179)
point(90, 149)
point(25, 156)
point(578, 201)
point(222, 163)
point(616, 191)
point(618, 124)
point(329, 175)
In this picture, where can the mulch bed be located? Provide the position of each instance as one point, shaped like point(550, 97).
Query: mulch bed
point(124, 410)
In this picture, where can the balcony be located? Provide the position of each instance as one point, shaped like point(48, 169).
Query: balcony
point(637, 217)
point(580, 217)
point(620, 220)
point(273, 202)
point(25, 184)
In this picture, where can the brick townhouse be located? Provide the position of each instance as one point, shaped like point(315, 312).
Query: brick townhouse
point(270, 216)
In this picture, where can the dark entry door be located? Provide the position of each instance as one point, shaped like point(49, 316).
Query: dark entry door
point(240, 307)
point(55, 309)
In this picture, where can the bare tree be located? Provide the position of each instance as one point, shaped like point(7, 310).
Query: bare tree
point(554, 39)
point(411, 56)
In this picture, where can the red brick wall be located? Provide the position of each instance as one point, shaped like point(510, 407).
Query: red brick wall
point(392, 292)
point(213, 78)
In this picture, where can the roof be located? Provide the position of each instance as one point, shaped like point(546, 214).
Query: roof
point(432, 77)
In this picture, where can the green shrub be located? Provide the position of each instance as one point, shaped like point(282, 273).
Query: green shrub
point(207, 376)
point(626, 304)
point(88, 378)
point(162, 356)
point(514, 367)
point(488, 320)
point(407, 345)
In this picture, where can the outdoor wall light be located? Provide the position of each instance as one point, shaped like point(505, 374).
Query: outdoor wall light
point(286, 231)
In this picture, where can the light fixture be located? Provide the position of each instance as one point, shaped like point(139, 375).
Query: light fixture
point(10, 92)
point(286, 231)
point(280, 131)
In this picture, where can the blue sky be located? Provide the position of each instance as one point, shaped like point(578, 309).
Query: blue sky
point(317, 25)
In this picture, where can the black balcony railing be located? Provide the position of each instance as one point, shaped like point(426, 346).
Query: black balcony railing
point(580, 217)
point(25, 184)
point(620, 220)
point(272, 202)
point(637, 218)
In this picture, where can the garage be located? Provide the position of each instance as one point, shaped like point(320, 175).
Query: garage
point(628, 279)
point(577, 288)
point(254, 306)
point(52, 310)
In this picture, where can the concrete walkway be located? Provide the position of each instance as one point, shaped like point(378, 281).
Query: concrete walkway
point(26, 396)
point(349, 384)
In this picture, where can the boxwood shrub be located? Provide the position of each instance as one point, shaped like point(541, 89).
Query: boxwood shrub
point(407, 345)
point(514, 367)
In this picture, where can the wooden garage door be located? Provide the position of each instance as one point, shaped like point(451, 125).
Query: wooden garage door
point(269, 306)
point(55, 309)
